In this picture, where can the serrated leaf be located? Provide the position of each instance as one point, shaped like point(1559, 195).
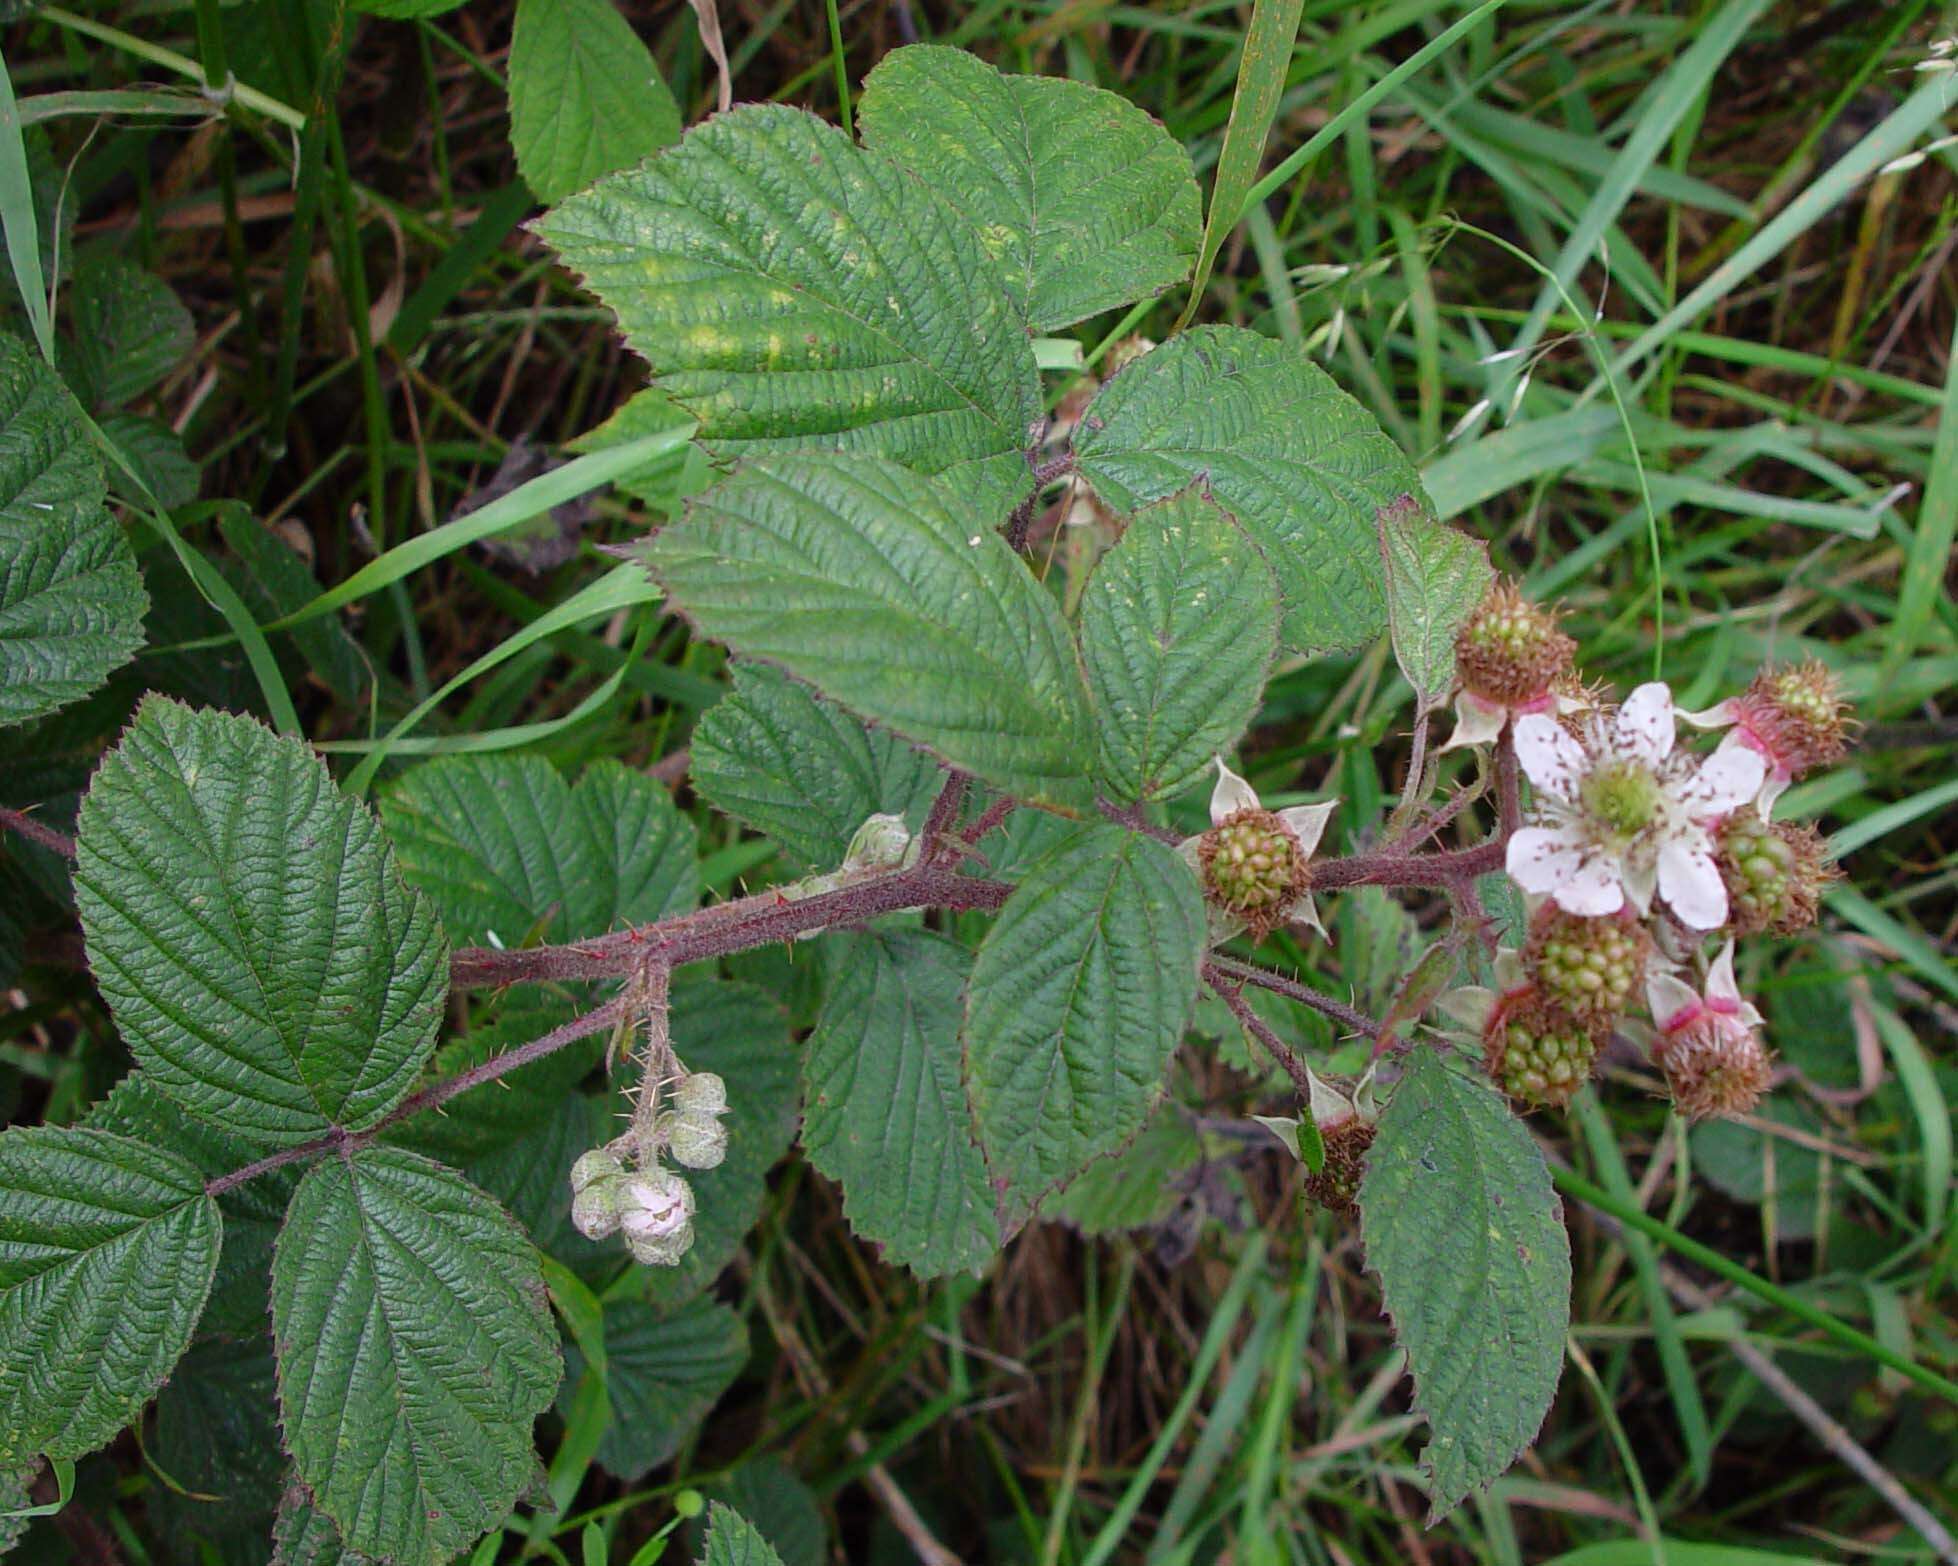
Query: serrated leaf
point(1082, 201)
point(127, 329)
point(415, 1347)
point(157, 452)
point(263, 959)
point(16, 1483)
point(303, 1535)
point(791, 290)
point(798, 768)
point(1299, 464)
point(531, 1178)
point(663, 1371)
point(740, 1032)
point(507, 850)
point(585, 95)
point(885, 1115)
point(734, 1541)
point(1434, 578)
point(1462, 1225)
point(217, 1437)
point(107, 1247)
point(1078, 996)
point(889, 596)
point(1179, 625)
point(484, 1119)
point(1131, 1189)
point(781, 1507)
point(71, 601)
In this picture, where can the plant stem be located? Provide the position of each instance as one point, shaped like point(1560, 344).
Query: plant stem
point(1292, 990)
point(1230, 990)
point(170, 60)
point(20, 821)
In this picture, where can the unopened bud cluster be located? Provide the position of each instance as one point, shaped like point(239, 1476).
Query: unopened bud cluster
point(624, 1188)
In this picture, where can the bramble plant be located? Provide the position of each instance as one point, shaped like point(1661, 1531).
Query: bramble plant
point(988, 783)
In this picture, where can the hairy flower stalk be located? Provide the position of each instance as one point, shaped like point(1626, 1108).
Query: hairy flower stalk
point(1256, 864)
point(1708, 1043)
point(1622, 816)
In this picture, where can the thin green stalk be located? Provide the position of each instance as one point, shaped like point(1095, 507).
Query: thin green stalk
point(250, 97)
point(842, 67)
point(1575, 1185)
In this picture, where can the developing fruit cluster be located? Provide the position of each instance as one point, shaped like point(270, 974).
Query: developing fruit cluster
point(1637, 850)
point(624, 1188)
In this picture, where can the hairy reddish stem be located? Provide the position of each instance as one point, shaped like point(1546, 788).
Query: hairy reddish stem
point(35, 832)
point(1248, 973)
point(1230, 990)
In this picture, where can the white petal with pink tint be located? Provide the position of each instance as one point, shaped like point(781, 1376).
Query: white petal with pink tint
point(1231, 794)
point(1541, 859)
point(1718, 716)
point(1721, 985)
point(1641, 880)
point(1671, 1000)
point(1725, 781)
point(1644, 730)
point(1552, 760)
point(1308, 823)
point(1592, 892)
point(1476, 723)
point(1690, 882)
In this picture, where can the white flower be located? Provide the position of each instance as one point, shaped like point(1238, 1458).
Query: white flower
point(1621, 814)
point(1242, 892)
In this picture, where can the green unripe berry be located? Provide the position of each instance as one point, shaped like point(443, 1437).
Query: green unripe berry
point(1536, 1053)
point(1774, 873)
point(1253, 866)
point(1587, 968)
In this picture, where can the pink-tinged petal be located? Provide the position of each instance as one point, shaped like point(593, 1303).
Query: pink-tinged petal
point(1541, 859)
point(1690, 882)
point(1672, 1002)
point(1476, 723)
point(1306, 912)
point(1552, 761)
point(1771, 790)
point(1593, 892)
point(1644, 730)
point(1308, 823)
point(1231, 794)
point(1718, 716)
point(1725, 781)
point(1722, 988)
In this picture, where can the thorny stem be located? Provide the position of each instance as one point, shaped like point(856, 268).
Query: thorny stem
point(1509, 804)
point(648, 997)
point(35, 832)
point(1230, 989)
point(1291, 989)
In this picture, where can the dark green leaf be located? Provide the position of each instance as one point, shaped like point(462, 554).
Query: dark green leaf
point(1135, 1188)
point(107, 1248)
point(1434, 578)
point(889, 596)
point(1178, 627)
point(1079, 994)
point(733, 1541)
point(886, 1116)
point(127, 329)
point(1082, 201)
point(217, 1436)
point(663, 1371)
point(478, 1122)
point(585, 95)
point(783, 1511)
point(263, 959)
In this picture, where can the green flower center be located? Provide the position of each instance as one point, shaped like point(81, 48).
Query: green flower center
point(1622, 796)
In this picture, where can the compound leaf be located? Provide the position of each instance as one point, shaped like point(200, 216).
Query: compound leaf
point(1178, 626)
point(71, 601)
point(1300, 465)
point(885, 1115)
point(800, 769)
point(107, 1249)
point(585, 95)
point(877, 587)
point(508, 851)
point(1461, 1223)
point(663, 1371)
point(1434, 578)
point(790, 289)
point(1083, 201)
point(1078, 995)
point(415, 1347)
point(264, 961)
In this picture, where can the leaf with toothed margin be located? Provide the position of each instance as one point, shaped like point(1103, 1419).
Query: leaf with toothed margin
point(734, 1541)
point(1434, 578)
point(886, 1116)
point(889, 595)
point(1082, 200)
point(263, 959)
point(1178, 627)
point(1079, 994)
point(415, 1347)
point(792, 291)
point(1466, 1233)
point(1301, 466)
point(107, 1249)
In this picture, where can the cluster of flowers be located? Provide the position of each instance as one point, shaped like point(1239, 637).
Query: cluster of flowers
point(624, 1188)
point(1638, 851)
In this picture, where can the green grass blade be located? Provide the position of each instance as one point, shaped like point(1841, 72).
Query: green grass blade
point(17, 217)
point(1930, 545)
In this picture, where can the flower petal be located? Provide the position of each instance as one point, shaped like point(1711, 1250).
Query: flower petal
point(1722, 987)
point(1306, 912)
point(1690, 882)
point(1308, 823)
point(1645, 730)
point(1640, 878)
point(1476, 723)
point(1725, 781)
point(1552, 760)
point(1671, 1000)
point(1771, 790)
point(1593, 892)
point(1231, 794)
point(1541, 859)
point(1718, 716)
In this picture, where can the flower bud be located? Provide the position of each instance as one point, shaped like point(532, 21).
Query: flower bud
point(700, 1093)
point(1589, 968)
point(1715, 1065)
point(1794, 715)
point(601, 1163)
point(698, 1142)
point(595, 1209)
point(656, 1216)
point(1509, 651)
point(1774, 873)
point(883, 842)
point(1253, 866)
point(1536, 1052)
